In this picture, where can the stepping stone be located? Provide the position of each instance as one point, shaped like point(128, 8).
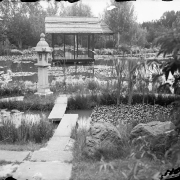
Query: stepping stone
point(61, 100)
point(45, 154)
point(65, 127)
point(58, 143)
point(13, 156)
point(59, 108)
point(57, 112)
point(43, 170)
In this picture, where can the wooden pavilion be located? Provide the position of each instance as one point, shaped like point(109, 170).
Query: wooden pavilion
point(86, 27)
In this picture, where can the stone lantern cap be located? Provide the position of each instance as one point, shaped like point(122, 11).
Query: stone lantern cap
point(42, 45)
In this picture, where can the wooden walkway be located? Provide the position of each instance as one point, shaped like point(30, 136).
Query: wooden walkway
point(59, 109)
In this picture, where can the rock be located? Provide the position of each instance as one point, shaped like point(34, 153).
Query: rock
point(101, 133)
point(153, 128)
point(159, 136)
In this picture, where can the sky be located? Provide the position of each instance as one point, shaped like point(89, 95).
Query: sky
point(146, 10)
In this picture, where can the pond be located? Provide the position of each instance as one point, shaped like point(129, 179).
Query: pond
point(83, 117)
point(26, 71)
point(34, 116)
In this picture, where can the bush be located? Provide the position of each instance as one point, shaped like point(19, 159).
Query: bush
point(15, 89)
point(175, 115)
point(31, 102)
point(92, 85)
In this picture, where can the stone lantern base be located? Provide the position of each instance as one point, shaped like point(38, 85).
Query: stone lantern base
point(46, 93)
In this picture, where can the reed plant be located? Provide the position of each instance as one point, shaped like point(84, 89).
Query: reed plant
point(37, 132)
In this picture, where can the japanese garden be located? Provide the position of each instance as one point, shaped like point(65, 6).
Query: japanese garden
point(85, 97)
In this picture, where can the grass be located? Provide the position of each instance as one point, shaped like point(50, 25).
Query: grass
point(31, 102)
point(38, 132)
point(30, 146)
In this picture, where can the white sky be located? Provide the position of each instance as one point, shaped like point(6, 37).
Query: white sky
point(146, 10)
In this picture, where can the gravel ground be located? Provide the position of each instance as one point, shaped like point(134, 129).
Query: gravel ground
point(138, 113)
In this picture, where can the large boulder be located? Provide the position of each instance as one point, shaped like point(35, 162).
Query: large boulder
point(159, 135)
point(153, 128)
point(102, 135)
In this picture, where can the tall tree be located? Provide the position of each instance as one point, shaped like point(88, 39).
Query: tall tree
point(77, 9)
point(170, 44)
point(121, 19)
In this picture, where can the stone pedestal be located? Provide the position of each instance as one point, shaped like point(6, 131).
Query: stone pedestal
point(43, 50)
point(43, 84)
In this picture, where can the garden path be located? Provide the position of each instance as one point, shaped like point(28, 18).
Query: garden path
point(58, 109)
point(52, 162)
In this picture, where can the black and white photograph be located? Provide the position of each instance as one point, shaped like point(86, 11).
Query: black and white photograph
point(90, 90)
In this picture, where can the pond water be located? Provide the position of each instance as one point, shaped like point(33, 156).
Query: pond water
point(83, 117)
point(27, 71)
point(35, 116)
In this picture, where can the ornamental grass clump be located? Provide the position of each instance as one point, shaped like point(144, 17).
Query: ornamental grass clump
point(37, 132)
point(80, 143)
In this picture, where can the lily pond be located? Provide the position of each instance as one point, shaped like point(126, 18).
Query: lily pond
point(22, 69)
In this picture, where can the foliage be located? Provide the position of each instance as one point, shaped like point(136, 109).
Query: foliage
point(31, 102)
point(92, 85)
point(77, 9)
point(161, 26)
point(34, 132)
point(175, 115)
point(121, 19)
point(80, 143)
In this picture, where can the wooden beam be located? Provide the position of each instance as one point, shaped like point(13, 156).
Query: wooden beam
point(53, 46)
point(77, 44)
point(64, 43)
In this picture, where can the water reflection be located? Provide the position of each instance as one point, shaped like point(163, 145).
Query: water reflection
point(83, 117)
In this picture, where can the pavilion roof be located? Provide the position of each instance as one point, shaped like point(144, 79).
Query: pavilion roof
point(74, 25)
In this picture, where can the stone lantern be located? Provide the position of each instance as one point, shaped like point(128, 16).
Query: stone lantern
point(44, 54)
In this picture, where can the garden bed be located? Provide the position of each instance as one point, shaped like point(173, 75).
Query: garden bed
point(125, 118)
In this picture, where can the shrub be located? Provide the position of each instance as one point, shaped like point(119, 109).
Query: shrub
point(92, 85)
point(175, 115)
point(31, 102)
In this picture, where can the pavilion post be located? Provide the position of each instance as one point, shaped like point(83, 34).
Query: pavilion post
point(64, 44)
point(77, 44)
point(93, 46)
point(88, 43)
point(74, 45)
point(53, 46)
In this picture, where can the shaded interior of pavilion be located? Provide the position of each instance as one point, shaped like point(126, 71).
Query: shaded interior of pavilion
point(73, 38)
